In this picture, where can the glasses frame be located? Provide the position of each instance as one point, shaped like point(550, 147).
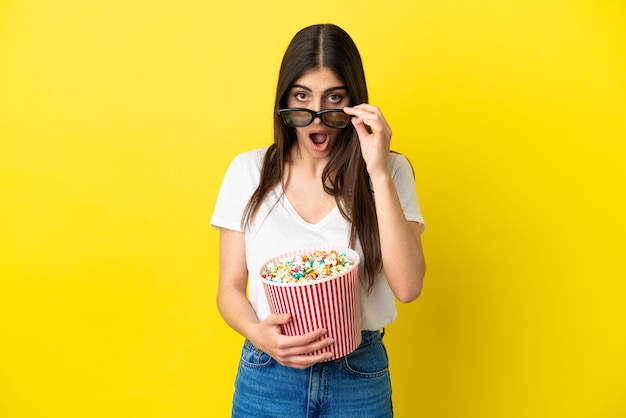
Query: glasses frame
point(314, 115)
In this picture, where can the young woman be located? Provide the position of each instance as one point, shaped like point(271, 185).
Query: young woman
point(328, 178)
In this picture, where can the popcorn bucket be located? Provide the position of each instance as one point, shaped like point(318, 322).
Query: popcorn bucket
point(332, 303)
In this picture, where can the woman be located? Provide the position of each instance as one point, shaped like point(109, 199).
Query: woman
point(328, 178)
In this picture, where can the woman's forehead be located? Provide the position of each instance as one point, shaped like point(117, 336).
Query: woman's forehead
point(318, 76)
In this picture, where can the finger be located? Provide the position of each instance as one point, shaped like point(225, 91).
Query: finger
point(315, 344)
point(303, 340)
point(362, 107)
point(363, 110)
point(375, 122)
point(309, 360)
point(303, 361)
point(371, 115)
point(288, 346)
point(360, 128)
point(278, 319)
point(300, 356)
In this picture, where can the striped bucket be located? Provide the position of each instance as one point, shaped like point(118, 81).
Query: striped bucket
point(332, 303)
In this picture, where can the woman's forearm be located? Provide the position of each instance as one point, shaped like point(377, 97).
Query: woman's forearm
point(400, 242)
point(231, 291)
point(236, 310)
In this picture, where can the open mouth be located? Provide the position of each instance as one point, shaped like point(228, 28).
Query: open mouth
point(319, 140)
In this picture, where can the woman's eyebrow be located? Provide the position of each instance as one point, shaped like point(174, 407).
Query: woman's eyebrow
point(325, 91)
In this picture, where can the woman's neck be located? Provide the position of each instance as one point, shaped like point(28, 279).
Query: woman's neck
point(305, 165)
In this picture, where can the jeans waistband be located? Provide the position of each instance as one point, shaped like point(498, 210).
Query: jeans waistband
point(368, 337)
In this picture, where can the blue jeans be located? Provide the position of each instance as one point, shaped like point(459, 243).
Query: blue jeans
point(355, 386)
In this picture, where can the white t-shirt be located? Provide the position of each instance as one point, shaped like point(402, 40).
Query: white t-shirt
point(277, 228)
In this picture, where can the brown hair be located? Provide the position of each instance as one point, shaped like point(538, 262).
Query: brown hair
point(345, 176)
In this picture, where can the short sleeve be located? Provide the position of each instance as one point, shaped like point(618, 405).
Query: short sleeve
point(240, 181)
point(404, 180)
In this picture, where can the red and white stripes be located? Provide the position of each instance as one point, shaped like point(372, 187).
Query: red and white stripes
point(332, 303)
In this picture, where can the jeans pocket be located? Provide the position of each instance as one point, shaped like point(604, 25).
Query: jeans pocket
point(253, 357)
point(368, 361)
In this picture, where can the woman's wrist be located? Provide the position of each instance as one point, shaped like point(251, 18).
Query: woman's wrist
point(381, 179)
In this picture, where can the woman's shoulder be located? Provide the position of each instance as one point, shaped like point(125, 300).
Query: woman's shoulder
point(398, 160)
point(249, 161)
point(245, 169)
point(254, 156)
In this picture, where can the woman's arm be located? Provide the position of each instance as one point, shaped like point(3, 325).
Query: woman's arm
point(236, 310)
point(400, 241)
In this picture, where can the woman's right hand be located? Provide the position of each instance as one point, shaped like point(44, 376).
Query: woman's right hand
point(236, 310)
point(287, 350)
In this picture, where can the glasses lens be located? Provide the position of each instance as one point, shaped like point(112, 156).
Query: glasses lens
point(297, 118)
point(336, 119)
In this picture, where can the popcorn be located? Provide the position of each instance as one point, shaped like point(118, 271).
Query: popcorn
point(303, 268)
point(319, 287)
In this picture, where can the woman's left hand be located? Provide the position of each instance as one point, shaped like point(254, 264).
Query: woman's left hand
point(375, 145)
point(400, 242)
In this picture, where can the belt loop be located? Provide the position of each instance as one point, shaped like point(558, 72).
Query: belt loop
point(382, 333)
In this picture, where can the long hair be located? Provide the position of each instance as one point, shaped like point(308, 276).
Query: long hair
point(345, 176)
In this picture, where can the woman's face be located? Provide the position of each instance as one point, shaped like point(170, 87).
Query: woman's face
point(317, 90)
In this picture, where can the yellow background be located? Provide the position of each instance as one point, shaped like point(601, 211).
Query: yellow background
point(118, 119)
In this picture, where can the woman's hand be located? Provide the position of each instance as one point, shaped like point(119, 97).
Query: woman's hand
point(289, 351)
point(375, 145)
point(236, 310)
point(400, 241)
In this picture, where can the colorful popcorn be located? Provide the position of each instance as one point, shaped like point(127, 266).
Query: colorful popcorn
point(304, 268)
